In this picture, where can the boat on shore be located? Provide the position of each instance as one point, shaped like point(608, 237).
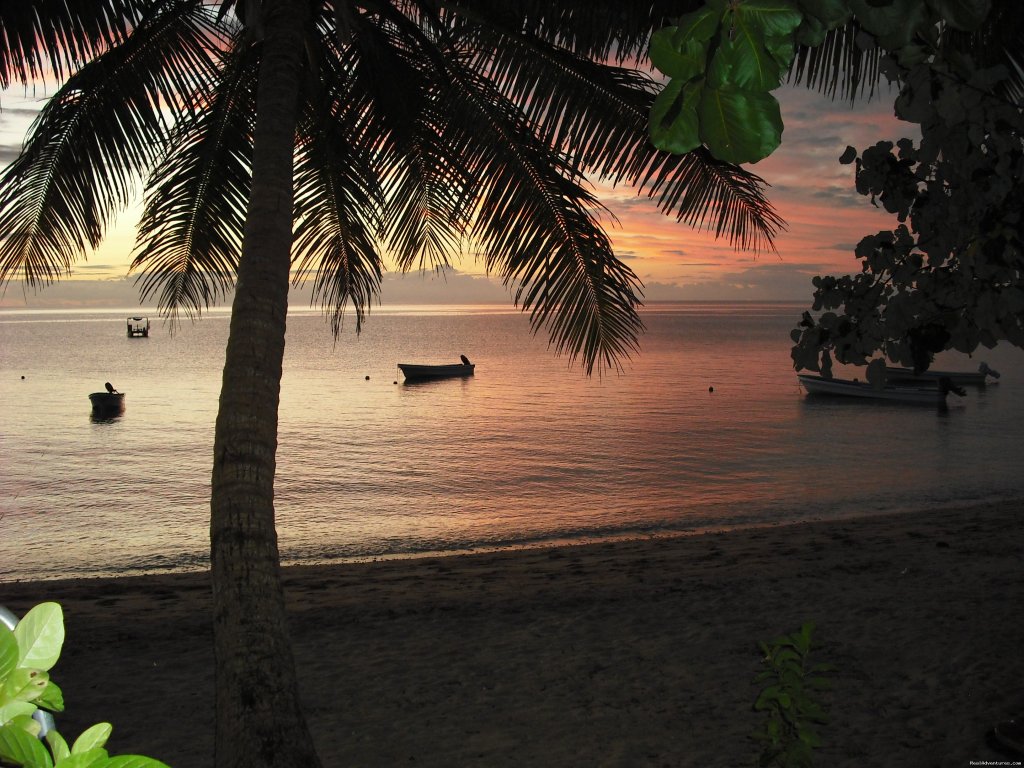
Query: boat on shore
point(979, 378)
point(418, 372)
point(929, 393)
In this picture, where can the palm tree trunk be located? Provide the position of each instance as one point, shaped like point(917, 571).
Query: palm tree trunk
point(259, 722)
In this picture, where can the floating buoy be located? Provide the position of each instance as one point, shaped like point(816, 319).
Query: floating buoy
point(711, 389)
point(367, 378)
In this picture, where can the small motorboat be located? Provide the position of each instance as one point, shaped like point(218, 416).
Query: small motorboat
point(979, 378)
point(138, 327)
point(415, 371)
point(107, 402)
point(929, 393)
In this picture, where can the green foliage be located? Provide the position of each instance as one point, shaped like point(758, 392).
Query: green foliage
point(948, 276)
point(724, 59)
point(26, 655)
point(788, 697)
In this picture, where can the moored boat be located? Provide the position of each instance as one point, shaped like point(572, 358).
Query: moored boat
point(933, 393)
point(979, 378)
point(416, 371)
point(107, 402)
point(138, 327)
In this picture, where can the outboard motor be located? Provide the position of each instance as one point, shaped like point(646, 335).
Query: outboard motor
point(465, 360)
point(984, 370)
point(946, 386)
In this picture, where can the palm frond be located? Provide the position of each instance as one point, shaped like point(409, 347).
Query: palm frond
point(92, 140)
point(845, 68)
point(54, 37)
point(606, 30)
point(190, 233)
point(599, 113)
point(338, 201)
point(1000, 40)
point(839, 67)
point(540, 230)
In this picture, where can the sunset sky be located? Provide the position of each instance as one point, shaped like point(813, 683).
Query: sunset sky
point(809, 188)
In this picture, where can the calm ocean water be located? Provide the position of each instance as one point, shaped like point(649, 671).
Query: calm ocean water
point(526, 452)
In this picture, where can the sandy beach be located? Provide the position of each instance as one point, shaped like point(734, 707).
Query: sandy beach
point(635, 653)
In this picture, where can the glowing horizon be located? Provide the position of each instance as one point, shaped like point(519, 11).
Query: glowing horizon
point(813, 193)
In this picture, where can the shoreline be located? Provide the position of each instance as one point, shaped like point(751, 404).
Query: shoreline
point(631, 652)
point(541, 542)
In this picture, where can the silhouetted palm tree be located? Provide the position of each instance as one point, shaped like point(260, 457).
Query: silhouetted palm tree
point(282, 140)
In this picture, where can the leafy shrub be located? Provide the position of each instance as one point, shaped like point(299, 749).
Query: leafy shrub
point(790, 681)
point(26, 655)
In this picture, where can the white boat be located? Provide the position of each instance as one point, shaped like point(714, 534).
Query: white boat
point(416, 371)
point(933, 393)
point(138, 327)
point(979, 378)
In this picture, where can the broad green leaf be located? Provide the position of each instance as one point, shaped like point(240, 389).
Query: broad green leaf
point(892, 25)
point(830, 13)
point(12, 709)
point(92, 738)
point(966, 15)
point(25, 723)
point(58, 746)
point(52, 698)
point(811, 33)
point(25, 684)
point(768, 18)
point(91, 758)
point(20, 748)
point(684, 60)
point(787, 655)
point(782, 49)
point(743, 63)
point(674, 126)
point(134, 761)
point(739, 126)
point(8, 652)
point(40, 636)
point(701, 24)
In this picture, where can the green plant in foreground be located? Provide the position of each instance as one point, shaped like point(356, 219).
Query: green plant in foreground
point(27, 653)
point(789, 735)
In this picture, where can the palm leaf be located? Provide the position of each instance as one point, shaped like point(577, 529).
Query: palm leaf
point(338, 200)
point(539, 228)
point(53, 37)
point(599, 113)
point(842, 67)
point(190, 234)
point(603, 29)
point(92, 140)
point(839, 67)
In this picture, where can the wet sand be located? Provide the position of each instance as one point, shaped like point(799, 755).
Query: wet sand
point(635, 653)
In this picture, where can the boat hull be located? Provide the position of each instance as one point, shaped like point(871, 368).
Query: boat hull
point(924, 395)
point(107, 402)
point(905, 376)
point(413, 371)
